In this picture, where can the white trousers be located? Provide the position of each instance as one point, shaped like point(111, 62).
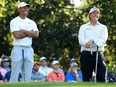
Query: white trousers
point(21, 61)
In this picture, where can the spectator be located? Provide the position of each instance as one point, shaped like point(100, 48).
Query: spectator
point(36, 75)
point(72, 60)
point(2, 74)
point(53, 59)
point(8, 74)
point(46, 70)
point(55, 75)
point(74, 75)
point(5, 63)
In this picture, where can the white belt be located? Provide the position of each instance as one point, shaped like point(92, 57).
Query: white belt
point(27, 46)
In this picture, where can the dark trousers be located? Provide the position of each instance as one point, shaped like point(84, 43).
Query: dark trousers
point(88, 62)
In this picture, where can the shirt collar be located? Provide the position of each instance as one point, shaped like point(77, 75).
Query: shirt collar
point(89, 23)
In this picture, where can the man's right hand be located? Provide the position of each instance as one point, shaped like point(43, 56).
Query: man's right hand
point(88, 44)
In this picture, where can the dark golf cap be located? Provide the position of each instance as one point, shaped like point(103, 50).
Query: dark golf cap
point(5, 59)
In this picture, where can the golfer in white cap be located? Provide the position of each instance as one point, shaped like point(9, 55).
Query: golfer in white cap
point(23, 30)
point(92, 38)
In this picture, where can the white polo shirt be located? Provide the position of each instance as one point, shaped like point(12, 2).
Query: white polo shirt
point(96, 32)
point(45, 70)
point(17, 24)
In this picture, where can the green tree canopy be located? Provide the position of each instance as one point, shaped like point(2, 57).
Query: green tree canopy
point(59, 26)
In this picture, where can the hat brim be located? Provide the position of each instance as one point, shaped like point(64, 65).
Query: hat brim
point(74, 66)
point(43, 60)
point(56, 64)
point(5, 61)
point(28, 6)
point(36, 64)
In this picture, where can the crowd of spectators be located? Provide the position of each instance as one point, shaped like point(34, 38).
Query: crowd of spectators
point(42, 72)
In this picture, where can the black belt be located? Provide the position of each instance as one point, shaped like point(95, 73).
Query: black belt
point(91, 52)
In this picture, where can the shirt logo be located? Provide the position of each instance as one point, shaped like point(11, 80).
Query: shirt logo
point(88, 29)
point(29, 23)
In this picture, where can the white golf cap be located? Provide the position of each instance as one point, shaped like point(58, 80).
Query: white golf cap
point(94, 9)
point(55, 62)
point(23, 4)
point(5, 60)
point(72, 59)
point(74, 64)
point(42, 58)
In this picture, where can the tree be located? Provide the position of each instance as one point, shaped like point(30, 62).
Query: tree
point(59, 26)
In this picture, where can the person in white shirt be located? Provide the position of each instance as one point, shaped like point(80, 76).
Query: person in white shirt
point(93, 35)
point(44, 69)
point(23, 30)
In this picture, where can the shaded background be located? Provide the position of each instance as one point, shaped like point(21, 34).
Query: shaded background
point(59, 22)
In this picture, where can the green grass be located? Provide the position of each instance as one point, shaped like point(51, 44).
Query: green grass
point(57, 84)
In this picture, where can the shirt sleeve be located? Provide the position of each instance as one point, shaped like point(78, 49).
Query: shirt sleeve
point(81, 36)
point(103, 38)
point(34, 26)
point(13, 26)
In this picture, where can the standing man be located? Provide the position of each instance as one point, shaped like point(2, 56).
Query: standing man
point(23, 30)
point(92, 35)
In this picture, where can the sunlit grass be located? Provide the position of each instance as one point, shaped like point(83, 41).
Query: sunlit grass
point(57, 84)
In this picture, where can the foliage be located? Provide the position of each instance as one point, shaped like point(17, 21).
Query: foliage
point(58, 27)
